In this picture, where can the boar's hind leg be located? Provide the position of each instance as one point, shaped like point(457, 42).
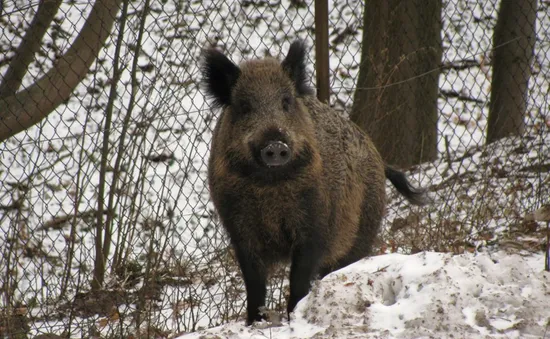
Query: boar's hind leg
point(364, 241)
point(254, 273)
point(305, 263)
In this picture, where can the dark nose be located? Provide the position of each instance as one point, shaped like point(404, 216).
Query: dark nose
point(277, 153)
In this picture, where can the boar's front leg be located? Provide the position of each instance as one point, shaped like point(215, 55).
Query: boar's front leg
point(255, 275)
point(252, 267)
point(308, 251)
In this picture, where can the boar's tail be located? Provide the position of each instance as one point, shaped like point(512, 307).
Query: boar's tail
point(416, 196)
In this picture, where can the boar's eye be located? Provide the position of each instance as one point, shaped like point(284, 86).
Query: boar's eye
point(244, 106)
point(287, 102)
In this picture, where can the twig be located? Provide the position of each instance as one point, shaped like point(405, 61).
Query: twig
point(15, 206)
point(455, 94)
point(382, 269)
point(547, 262)
point(448, 151)
point(57, 222)
point(460, 65)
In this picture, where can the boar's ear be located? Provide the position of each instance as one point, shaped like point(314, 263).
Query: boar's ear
point(295, 66)
point(219, 76)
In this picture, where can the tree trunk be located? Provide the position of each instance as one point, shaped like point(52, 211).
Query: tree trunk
point(513, 43)
point(396, 97)
point(29, 46)
point(28, 107)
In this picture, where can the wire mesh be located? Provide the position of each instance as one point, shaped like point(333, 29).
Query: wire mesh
point(106, 225)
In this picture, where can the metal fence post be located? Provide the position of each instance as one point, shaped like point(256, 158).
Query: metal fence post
point(321, 49)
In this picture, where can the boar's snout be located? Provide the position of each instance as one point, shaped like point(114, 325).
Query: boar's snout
point(276, 153)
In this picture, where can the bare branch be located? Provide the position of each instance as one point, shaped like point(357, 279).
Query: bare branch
point(460, 65)
point(455, 94)
point(28, 47)
point(26, 108)
point(58, 222)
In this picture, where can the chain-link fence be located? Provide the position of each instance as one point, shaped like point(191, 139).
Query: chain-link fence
point(106, 225)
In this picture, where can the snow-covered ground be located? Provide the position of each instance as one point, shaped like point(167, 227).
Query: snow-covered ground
point(425, 295)
point(492, 188)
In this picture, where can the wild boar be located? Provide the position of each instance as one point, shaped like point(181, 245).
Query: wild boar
point(290, 178)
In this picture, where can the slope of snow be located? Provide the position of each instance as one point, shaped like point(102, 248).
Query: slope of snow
point(483, 295)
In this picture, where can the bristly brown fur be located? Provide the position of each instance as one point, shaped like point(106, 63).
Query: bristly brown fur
point(322, 210)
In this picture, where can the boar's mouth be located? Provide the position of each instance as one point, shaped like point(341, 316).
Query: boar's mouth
point(255, 170)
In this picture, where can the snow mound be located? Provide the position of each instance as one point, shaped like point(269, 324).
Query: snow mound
point(481, 295)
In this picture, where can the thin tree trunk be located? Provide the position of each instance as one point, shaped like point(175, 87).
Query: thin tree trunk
point(396, 97)
point(28, 107)
point(103, 226)
point(514, 42)
point(28, 47)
